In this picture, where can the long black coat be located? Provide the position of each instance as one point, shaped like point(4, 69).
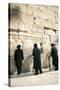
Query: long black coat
point(54, 55)
point(18, 57)
point(37, 58)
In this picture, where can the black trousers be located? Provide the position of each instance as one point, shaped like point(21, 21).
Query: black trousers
point(18, 70)
point(55, 64)
point(38, 68)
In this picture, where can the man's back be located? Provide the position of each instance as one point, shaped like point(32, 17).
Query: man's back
point(36, 52)
point(18, 56)
point(54, 52)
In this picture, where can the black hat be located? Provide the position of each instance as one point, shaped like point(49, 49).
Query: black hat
point(52, 44)
point(18, 46)
point(35, 45)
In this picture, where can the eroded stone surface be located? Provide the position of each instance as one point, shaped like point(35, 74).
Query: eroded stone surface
point(28, 28)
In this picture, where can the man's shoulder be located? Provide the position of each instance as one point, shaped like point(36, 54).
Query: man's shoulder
point(15, 50)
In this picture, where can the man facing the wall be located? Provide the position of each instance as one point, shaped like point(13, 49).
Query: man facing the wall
point(18, 57)
point(37, 59)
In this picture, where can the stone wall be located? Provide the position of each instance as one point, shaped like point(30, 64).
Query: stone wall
point(32, 24)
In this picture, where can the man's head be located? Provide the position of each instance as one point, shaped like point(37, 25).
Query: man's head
point(18, 46)
point(35, 45)
point(52, 45)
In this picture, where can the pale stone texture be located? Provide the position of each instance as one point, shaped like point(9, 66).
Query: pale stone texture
point(32, 24)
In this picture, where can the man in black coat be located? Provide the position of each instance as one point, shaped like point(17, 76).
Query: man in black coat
point(54, 55)
point(37, 59)
point(18, 57)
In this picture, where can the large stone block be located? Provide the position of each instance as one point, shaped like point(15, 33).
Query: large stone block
point(28, 64)
point(49, 32)
point(45, 55)
point(46, 39)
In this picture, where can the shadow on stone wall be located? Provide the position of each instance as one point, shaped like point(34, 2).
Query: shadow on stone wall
point(26, 66)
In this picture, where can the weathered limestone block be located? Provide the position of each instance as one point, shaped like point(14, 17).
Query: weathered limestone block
point(44, 56)
point(12, 65)
point(53, 39)
point(12, 50)
point(46, 39)
point(27, 66)
point(49, 32)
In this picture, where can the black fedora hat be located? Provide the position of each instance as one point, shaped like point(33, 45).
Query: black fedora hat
point(18, 46)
